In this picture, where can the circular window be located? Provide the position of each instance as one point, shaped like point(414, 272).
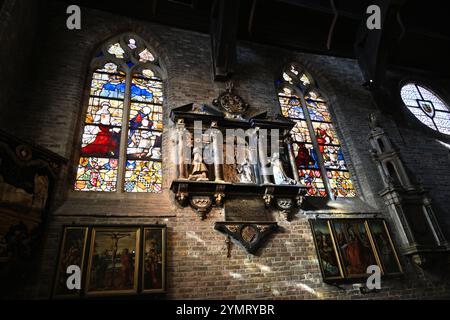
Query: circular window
point(427, 107)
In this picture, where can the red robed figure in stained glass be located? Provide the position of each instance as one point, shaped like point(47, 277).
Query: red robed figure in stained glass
point(105, 143)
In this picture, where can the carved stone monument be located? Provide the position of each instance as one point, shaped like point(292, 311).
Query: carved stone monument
point(210, 181)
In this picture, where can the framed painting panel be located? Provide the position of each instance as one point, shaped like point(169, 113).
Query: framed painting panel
point(113, 266)
point(72, 252)
point(154, 260)
point(355, 247)
point(385, 247)
point(326, 250)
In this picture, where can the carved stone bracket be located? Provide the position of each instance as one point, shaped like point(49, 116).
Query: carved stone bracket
point(268, 196)
point(201, 196)
point(202, 205)
point(182, 194)
point(286, 205)
point(250, 235)
point(219, 195)
point(300, 198)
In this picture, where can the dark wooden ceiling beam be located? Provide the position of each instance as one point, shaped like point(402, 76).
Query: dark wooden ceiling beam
point(304, 25)
point(224, 27)
point(372, 47)
point(429, 34)
point(372, 50)
point(251, 20)
point(154, 7)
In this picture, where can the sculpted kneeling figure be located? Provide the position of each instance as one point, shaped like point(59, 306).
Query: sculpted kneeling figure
point(199, 169)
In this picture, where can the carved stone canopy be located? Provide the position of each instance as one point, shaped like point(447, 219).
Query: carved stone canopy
point(192, 112)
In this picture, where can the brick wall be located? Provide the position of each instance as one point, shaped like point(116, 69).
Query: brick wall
point(287, 267)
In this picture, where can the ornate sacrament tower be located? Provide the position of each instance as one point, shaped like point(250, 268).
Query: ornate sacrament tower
point(409, 205)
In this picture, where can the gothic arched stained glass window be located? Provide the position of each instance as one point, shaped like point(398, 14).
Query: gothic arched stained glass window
point(317, 149)
point(122, 132)
point(427, 107)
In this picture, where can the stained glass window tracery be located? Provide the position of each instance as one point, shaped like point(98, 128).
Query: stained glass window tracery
point(132, 44)
point(146, 56)
point(317, 149)
point(121, 142)
point(426, 106)
point(116, 50)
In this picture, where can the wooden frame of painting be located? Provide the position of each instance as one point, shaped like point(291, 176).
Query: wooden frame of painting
point(387, 253)
point(154, 259)
point(110, 246)
point(72, 252)
point(330, 265)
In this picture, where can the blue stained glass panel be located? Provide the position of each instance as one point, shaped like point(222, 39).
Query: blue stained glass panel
point(318, 111)
point(291, 107)
point(108, 85)
point(146, 90)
